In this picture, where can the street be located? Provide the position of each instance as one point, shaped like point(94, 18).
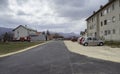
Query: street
point(55, 58)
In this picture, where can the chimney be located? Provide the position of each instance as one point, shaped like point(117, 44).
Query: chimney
point(93, 12)
point(101, 6)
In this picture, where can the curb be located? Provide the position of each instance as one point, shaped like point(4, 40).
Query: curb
point(22, 50)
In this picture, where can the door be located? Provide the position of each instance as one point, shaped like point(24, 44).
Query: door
point(90, 41)
point(95, 41)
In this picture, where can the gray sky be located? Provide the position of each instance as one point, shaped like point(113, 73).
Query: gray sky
point(53, 15)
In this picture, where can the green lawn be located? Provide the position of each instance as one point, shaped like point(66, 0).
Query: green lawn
point(113, 44)
point(15, 46)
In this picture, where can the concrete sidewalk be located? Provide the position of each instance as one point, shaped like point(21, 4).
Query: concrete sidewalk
point(99, 52)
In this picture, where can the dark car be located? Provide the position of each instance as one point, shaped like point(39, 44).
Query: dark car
point(74, 39)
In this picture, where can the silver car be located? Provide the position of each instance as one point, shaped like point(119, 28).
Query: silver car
point(92, 41)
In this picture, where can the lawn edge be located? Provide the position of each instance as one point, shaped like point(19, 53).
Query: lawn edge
point(22, 50)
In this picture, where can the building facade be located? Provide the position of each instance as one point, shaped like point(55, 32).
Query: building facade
point(105, 23)
point(22, 32)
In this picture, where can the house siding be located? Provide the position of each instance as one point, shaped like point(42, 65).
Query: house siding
point(23, 32)
point(20, 32)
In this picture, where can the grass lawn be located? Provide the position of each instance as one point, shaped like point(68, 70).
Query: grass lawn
point(15, 46)
point(113, 44)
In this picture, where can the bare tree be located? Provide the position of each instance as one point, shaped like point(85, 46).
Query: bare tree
point(7, 37)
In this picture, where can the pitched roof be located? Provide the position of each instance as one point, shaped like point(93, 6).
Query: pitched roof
point(25, 28)
point(110, 2)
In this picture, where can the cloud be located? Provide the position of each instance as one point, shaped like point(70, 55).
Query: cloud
point(3, 5)
point(20, 13)
point(76, 9)
point(70, 9)
point(55, 15)
point(21, 2)
point(11, 21)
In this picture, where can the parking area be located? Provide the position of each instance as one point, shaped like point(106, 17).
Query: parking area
point(99, 52)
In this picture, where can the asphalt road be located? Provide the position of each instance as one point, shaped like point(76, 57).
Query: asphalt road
point(54, 58)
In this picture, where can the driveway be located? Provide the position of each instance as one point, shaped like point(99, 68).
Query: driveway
point(55, 58)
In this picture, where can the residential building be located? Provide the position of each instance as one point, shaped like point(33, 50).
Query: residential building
point(105, 23)
point(38, 37)
point(23, 32)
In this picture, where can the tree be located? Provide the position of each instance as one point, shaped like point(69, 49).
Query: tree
point(48, 33)
point(43, 33)
point(8, 36)
point(82, 33)
point(5, 37)
point(0, 38)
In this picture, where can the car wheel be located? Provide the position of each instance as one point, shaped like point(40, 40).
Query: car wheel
point(101, 44)
point(85, 44)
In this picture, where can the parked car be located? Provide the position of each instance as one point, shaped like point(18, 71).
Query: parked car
point(80, 39)
point(74, 39)
point(92, 41)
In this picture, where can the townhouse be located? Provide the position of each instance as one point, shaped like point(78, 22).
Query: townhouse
point(105, 23)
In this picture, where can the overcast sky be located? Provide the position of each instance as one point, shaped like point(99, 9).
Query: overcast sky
point(53, 15)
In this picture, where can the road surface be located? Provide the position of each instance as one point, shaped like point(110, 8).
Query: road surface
point(54, 58)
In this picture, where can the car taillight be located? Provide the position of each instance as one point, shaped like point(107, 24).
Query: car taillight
point(83, 39)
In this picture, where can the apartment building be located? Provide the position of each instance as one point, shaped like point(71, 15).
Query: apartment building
point(105, 23)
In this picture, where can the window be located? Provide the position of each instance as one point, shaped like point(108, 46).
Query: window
point(101, 14)
point(119, 3)
point(105, 12)
point(109, 32)
point(101, 23)
point(113, 18)
point(114, 31)
point(105, 22)
point(92, 19)
point(17, 32)
point(113, 7)
point(119, 31)
point(95, 34)
point(105, 33)
point(119, 17)
point(108, 10)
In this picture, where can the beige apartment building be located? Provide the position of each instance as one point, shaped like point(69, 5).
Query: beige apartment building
point(105, 23)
